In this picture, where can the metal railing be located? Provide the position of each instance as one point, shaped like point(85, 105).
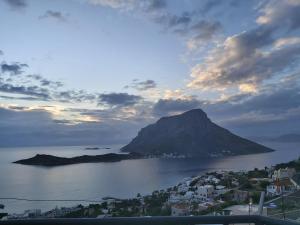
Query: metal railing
point(166, 220)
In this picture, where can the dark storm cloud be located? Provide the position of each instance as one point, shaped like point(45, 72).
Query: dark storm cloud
point(14, 68)
point(17, 4)
point(54, 15)
point(142, 85)
point(168, 106)
point(119, 99)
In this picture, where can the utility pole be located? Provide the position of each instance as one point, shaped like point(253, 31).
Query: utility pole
point(261, 203)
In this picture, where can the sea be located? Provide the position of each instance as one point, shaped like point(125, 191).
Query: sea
point(25, 187)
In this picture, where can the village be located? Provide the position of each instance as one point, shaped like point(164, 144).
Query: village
point(215, 193)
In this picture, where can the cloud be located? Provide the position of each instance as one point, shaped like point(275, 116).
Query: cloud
point(37, 88)
point(281, 13)
point(173, 22)
point(35, 91)
point(59, 16)
point(186, 24)
point(1, 52)
point(203, 31)
point(273, 111)
point(116, 4)
point(21, 126)
point(74, 96)
point(209, 6)
point(250, 58)
point(16, 4)
point(142, 85)
point(45, 82)
point(19, 98)
point(154, 5)
point(15, 68)
point(235, 67)
point(119, 99)
point(282, 42)
point(128, 5)
point(166, 107)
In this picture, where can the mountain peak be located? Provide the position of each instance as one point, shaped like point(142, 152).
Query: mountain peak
point(194, 114)
point(190, 133)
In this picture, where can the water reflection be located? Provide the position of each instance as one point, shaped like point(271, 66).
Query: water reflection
point(122, 179)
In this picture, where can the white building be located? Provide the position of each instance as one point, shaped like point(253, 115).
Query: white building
point(176, 198)
point(283, 173)
point(273, 190)
point(212, 179)
point(182, 187)
point(220, 189)
point(205, 192)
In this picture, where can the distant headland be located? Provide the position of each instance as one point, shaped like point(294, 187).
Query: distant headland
point(191, 134)
point(50, 160)
point(96, 148)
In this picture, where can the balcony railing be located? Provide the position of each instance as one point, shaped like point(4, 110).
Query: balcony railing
point(184, 220)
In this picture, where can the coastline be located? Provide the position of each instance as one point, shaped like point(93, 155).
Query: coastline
point(160, 173)
point(173, 195)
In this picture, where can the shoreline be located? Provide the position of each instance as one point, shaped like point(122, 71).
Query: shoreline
point(209, 178)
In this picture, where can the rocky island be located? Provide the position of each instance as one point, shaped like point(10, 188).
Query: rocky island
point(50, 160)
point(191, 134)
point(96, 148)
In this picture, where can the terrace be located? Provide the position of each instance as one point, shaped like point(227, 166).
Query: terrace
point(184, 220)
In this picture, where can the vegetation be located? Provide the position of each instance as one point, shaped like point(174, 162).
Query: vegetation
point(3, 215)
point(256, 173)
point(292, 164)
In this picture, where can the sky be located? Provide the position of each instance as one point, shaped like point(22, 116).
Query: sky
point(89, 72)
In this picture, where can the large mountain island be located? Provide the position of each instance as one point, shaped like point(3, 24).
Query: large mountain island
point(192, 134)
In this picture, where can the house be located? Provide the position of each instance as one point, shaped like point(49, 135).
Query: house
point(175, 198)
point(182, 187)
point(283, 173)
point(180, 209)
point(32, 213)
point(220, 189)
point(189, 195)
point(273, 190)
point(205, 192)
point(280, 186)
point(240, 196)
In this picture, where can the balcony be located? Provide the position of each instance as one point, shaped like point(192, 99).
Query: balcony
point(184, 220)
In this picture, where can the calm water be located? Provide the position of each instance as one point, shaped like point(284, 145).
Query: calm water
point(92, 181)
